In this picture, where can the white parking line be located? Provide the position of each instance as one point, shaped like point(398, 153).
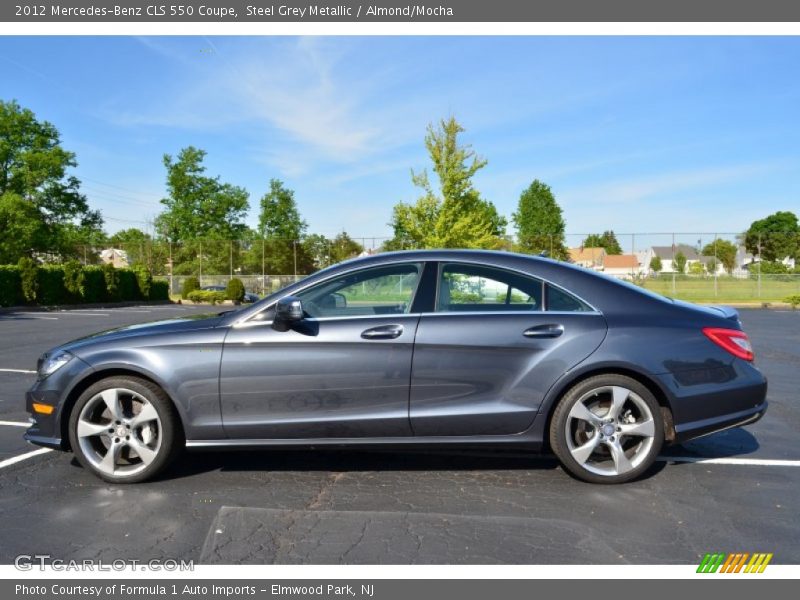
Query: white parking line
point(12, 317)
point(14, 424)
point(14, 460)
point(762, 462)
point(26, 371)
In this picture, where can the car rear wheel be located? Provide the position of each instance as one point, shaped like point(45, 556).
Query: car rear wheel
point(124, 430)
point(607, 429)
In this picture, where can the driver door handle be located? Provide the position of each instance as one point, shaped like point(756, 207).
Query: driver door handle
point(551, 330)
point(384, 332)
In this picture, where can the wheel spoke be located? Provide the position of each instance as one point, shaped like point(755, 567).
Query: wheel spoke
point(111, 398)
point(621, 462)
point(109, 462)
point(88, 429)
point(642, 429)
point(619, 396)
point(580, 412)
point(146, 454)
point(582, 453)
point(148, 413)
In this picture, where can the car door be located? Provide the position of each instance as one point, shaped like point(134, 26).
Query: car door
point(342, 372)
point(486, 356)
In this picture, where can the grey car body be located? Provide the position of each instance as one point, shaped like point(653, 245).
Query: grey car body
point(420, 375)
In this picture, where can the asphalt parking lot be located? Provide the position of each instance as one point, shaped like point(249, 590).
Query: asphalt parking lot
point(733, 491)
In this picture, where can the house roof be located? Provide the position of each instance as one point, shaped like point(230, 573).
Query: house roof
point(621, 261)
point(590, 254)
point(667, 252)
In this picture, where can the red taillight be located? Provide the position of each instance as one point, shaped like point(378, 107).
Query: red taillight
point(734, 341)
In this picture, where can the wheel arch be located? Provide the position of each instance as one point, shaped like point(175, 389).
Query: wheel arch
point(98, 375)
point(662, 396)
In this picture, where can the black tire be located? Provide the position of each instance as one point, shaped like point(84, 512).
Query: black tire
point(170, 432)
point(567, 430)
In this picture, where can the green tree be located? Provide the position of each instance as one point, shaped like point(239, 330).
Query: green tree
point(318, 248)
point(774, 237)
point(343, 247)
point(202, 216)
point(454, 215)
point(22, 226)
point(724, 251)
point(280, 230)
point(679, 262)
point(655, 264)
point(539, 222)
point(697, 268)
point(607, 240)
point(135, 242)
point(34, 168)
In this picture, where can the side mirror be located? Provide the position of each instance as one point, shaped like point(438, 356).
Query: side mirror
point(288, 310)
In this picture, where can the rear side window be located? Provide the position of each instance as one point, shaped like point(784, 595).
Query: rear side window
point(467, 288)
point(561, 301)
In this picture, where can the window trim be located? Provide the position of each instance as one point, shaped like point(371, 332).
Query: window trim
point(252, 319)
point(545, 282)
point(443, 265)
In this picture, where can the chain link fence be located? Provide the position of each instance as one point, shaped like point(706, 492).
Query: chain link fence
point(692, 266)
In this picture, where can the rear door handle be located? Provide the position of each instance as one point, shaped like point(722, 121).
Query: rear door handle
point(384, 332)
point(551, 330)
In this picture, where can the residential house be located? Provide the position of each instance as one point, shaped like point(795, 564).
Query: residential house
point(114, 256)
point(668, 253)
point(590, 258)
point(622, 266)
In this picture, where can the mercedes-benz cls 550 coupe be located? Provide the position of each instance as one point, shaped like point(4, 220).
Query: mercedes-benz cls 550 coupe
point(423, 348)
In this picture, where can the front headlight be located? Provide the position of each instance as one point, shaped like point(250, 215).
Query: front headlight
point(51, 364)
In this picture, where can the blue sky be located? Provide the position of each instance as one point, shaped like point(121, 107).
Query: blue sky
point(633, 133)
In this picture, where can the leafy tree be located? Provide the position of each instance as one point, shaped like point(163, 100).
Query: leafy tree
point(679, 262)
point(23, 228)
point(607, 240)
point(655, 264)
point(280, 231)
point(774, 237)
point(454, 215)
point(343, 247)
point(318, 248)
point(540, 225)
point(202, 215)
point(724, 251)
point(136, 244)
point(697, 268)
point(34, 169)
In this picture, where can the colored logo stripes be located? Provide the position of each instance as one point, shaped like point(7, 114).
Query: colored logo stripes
point(735, 563)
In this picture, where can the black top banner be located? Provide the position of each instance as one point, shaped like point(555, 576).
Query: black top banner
point(401, 11)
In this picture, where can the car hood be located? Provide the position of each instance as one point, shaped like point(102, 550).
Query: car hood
point(188, 323)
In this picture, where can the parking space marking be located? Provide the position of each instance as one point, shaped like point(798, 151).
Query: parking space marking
point(762, 462)
point(14, 424)
point(26, 371)
point(13, 317)
point(12, 461)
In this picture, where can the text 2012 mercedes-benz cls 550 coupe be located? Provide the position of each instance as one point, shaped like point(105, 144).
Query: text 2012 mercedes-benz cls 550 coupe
point(438, 348)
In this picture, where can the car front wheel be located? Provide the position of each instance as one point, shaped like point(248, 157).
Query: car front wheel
point(607, 429)
point(124, 430)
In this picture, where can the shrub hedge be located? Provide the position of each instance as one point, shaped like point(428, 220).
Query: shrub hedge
point(72, 283)
point(235, 290)
point(10, 286)
point(207, 296)
point(189, 285)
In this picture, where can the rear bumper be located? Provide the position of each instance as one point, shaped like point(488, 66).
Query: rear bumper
point(694, 429)
point(705, 401)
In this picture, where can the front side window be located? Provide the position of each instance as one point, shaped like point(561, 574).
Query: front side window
point(385, 290)
point(465, 288)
